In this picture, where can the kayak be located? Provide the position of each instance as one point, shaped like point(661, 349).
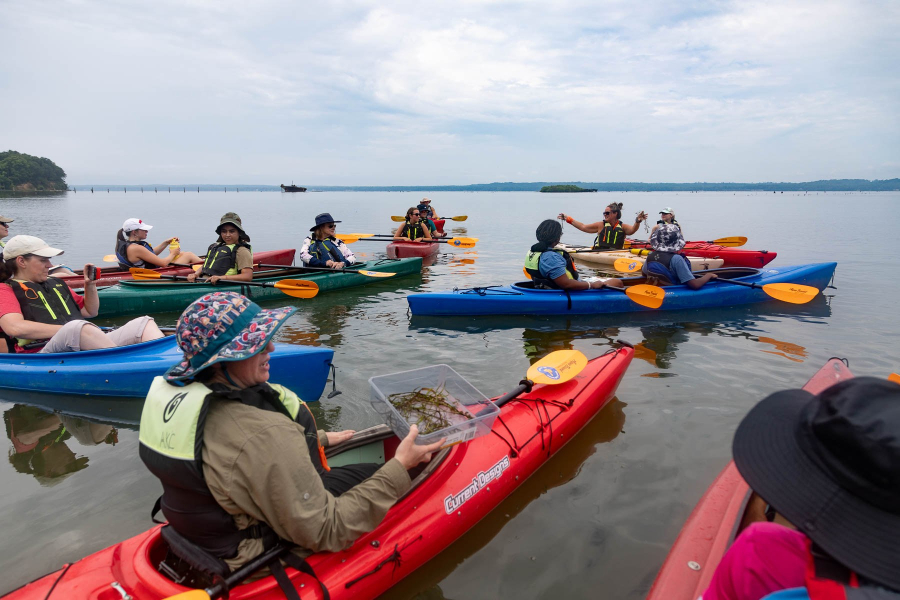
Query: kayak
point(439, 225)
point(607, 258)
point(113, 275)
point(409, 249)
point(523, 299)
point(733, 257)
point(458, 488)
point(718, 518)
point(127, 371)
point(158, 296)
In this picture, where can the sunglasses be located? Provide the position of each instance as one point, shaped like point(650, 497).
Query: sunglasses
point(606, 214)
point(330, 225)
point(415, 214)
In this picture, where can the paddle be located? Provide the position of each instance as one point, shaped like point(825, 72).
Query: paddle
point(330, 270)
point(624, 265)
point(459, 242)
point(296, 288)
point(731, 242)
point(786, 292)
point(397, 219)
point(111, 258)
point(650, 296)
point(894, 377)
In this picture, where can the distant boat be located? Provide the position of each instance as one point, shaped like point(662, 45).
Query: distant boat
point(292, 188)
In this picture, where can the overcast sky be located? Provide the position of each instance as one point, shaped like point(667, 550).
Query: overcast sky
point(406, 93)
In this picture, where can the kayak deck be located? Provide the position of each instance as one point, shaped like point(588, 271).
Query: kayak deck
point(609, 257)
point(410, 249)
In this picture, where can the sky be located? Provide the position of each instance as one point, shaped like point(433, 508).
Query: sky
point(350, 92)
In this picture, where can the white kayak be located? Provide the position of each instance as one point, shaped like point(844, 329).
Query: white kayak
point(608, 257)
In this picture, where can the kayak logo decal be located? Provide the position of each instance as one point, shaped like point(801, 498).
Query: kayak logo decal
point(456, 242)
point(454, 502)
point(549, 372)
point(172, 406)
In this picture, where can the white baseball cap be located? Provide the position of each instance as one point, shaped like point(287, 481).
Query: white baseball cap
point(133, 224)
point(21, 245)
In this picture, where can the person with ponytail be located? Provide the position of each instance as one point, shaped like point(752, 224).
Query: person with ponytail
point(414, 229)
point(133, 250)
point(554, 269)
point(610, 231)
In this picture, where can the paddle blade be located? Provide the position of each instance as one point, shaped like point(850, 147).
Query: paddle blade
point(790, 292)
point(348, 239)
point(191, 595)
point(894, 377)
point(462, 242)
point(359, 235)
point(110, 258)
point(557, 367)
point(375, 273)
point(624, 265)
point(396, 219)
point(527, 274)
point(650, 296)
point(732, 242)
point(459, 218)
point(297, 288)
point(138, 273)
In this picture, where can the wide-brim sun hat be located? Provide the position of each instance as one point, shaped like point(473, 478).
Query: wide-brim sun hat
point(830, 464)
point(223, 327)
point(20, 245)
point(321, 219)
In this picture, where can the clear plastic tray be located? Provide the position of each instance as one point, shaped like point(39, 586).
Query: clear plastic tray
point(480, 412)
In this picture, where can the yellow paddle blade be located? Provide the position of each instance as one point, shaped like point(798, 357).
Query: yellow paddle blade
point(650, 296)
point(398, 219)
point(459, 218)
point(894, 377)
point(791, 292)
point(199, 266)
point(297, 288)
point(359, 235)
point(557, 367)
point(348, 239)
point(110, 258)
point(462, 242)
point(624, 265)
point(375, 273)
point(191, 595)
point(144, 273)
point(733, 241)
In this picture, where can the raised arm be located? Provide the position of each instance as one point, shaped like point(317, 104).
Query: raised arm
point(585, 227)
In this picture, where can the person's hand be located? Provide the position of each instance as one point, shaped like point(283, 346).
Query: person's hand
point(409, 454)
point(561, 216)
point(336, 437)
point(329, 264)
point(214, 279)
point(169, 241)
point(87, 280)
point(642, 216)
point(713, 276)
point(174, 251)
point(337, 265)
point(192, 277)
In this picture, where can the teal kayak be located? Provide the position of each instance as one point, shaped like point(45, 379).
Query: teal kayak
point(159, 296)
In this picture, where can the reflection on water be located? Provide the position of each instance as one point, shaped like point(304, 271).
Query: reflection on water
point(788, 350)
point(41, 442)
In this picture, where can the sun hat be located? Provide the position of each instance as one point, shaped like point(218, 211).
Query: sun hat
point(321, 219)
point(831, 465)
point(667, 211)
point(424, 207)
point(134, 224)
point(424, 200)
point(220, 327)
point(5, 219)
point(20, 245)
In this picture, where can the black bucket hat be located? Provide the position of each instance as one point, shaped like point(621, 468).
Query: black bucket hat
point(831, 465)
point(322, 219)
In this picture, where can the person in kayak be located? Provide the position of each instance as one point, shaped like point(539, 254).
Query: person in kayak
point(664, 265)
point(426, 218)
point(666, 217)
point(413, 230)
point(230, 257)
point(830, 465)
point(427, 202)
point(554, 269)
point(610, 231)
point(132, 249)
point(4, 229)
point(251, 469)
point(43, 314)
point(323, 249)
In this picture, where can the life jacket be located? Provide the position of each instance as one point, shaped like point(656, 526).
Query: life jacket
point(221, 259)
point(610, 237)
point(431, 226)
point(411, 231)
point(533, 262)
point(122, 254)
point(326, 250)
point(171, 444)
point(50, 302)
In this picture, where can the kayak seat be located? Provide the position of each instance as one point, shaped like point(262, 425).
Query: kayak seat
point(189, 565)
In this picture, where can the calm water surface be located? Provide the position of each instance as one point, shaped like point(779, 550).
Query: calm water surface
point(598, 519)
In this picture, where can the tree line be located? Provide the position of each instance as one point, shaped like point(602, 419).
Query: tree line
point(25, 172)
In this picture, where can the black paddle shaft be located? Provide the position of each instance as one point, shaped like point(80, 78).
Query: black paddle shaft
point(524, 386)
point(218, 589)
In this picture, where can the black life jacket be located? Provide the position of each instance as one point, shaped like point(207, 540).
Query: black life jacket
point(610, 237)
point(413, 232)
point(221, 258)
point(532, 266)
point(122, 254)
point(50, 302)
point(171, 443)
point(326, 250)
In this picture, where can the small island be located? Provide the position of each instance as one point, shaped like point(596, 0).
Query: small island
point(25, 173)
point(564, 189)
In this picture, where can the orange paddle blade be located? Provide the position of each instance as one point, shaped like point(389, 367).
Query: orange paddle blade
point(732, 242)
point(110, 258)
point(297, 288)
point(894, 377)
point(625, 265)
point(138, 273)
point(650, 296)
point(524, 270)
point(791, 292)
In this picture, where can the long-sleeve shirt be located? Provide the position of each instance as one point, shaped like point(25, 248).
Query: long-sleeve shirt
point(311, 258)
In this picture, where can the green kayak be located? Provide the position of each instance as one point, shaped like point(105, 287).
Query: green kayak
point(159, 296)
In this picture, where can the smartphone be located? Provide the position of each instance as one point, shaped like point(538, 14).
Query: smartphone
point(92, 273)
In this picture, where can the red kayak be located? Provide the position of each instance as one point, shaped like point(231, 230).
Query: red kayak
point(439, 224)
point(733, 257)
point(459, 487)
point(113, 275)
point(411, 249)
point(727, 507)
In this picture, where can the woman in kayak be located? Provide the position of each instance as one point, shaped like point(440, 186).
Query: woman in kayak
point(554, 269)
point(42, 314)
point(322, 249)
point(229, 257)
point(253, 471)
point(830, 465)
point(413, 230)
point(664, 265)
point(667, 217)
point(610, 231)
point(132, 249)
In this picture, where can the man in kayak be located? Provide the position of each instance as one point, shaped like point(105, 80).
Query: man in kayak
point(322, 249)
point(554, 269)
point(230, 257)
point(412, 230)
point(829, 465)
point(610, 231)
point(241, 461)
point(427, 219)
point(664, 265)
point(427, 202)
point(42, 314)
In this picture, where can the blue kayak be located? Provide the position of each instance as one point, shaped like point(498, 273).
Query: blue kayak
point(523, 299)
point(127, 371)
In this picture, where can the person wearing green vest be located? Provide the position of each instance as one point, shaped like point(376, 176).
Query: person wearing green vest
point(610, 231)
point(554, 269)
point(241, 460)
point(413, 230)
point(229, 257)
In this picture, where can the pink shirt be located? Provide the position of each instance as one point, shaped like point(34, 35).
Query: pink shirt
point(10, 304)
point(765, 558)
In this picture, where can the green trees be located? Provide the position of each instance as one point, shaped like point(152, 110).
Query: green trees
point(565, 188)
point(25, 172)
